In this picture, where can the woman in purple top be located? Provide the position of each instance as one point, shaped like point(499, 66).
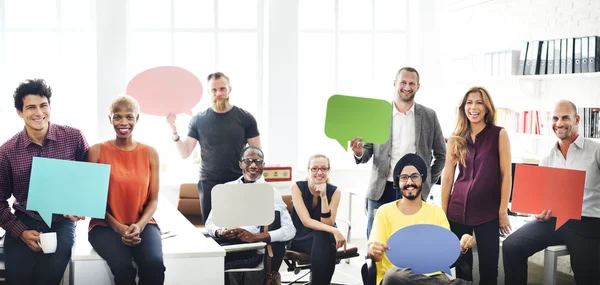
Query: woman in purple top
point(479, 199)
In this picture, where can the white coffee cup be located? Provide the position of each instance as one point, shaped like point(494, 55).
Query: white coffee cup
point(48, 242)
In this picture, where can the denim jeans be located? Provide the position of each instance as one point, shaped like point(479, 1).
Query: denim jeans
point(389, 195)
point(25, 266)
point(147, 255)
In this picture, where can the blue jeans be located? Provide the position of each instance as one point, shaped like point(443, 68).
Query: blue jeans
point(389, 195)
point(147, 255)
point(25, 266)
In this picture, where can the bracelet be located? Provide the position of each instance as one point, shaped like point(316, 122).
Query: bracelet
point(176, 140)
point(326, 215)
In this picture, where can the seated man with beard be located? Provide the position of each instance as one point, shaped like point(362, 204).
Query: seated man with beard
point(409, 174)
point(252, 165)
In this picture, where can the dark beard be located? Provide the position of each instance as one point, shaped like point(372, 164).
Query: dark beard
point(411, 197)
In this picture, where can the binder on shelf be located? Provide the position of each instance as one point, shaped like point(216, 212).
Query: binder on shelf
point(550, 60)
point(512, 62)
point(557, 56)
point(478, 64)
point(584, 54)
point(592, 54)
point(533, 57)
point(487, 64)
point(543, 58)
point(523, 59)
point(577, 55)
point(570, 50)
point(563, 56)
point(502, 63)
point(495, 63)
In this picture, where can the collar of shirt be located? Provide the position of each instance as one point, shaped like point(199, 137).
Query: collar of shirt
point(395, 110)
point(240, 180)
point(51, 135)
point(579, 143)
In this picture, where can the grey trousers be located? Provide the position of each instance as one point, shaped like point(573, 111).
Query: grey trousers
point(401, 276)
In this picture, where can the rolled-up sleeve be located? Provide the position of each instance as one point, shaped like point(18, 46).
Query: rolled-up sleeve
point(287, 230)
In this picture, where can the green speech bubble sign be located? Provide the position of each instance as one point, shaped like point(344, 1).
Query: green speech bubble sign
point(349, 117)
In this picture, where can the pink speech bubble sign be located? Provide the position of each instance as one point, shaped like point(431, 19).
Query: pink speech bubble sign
point(165, 90)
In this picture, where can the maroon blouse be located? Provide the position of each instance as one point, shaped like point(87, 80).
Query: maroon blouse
point(475, 198)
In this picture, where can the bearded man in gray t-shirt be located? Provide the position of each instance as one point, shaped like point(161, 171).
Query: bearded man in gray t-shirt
point(222, 132)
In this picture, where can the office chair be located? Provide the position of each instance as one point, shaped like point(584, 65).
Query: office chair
point(298, 261)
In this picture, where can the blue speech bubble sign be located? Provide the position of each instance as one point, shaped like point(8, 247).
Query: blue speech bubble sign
point(68, 187)
point(423, 248)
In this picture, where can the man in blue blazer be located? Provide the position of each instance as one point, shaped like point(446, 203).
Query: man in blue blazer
point(415, 129)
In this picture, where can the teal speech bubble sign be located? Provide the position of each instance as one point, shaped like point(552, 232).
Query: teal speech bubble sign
point(349, 117)
point(68, 187)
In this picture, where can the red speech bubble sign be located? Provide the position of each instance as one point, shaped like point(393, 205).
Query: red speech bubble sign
point(166, 90)
point(539, 188)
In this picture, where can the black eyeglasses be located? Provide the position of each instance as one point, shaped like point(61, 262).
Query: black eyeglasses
point(415, 177)
point(249, 161)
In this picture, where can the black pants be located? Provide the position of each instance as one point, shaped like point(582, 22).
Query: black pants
point(322, 250)
point(581, 237)
point(25, 266)
point(119, 256)
point(204, 188)
point(488, 249)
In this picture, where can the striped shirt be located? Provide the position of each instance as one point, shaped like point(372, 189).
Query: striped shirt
point(16, 155)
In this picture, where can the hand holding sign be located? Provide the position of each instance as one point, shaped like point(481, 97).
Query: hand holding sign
point(166, 90)
point(350, 117)
point(423, 248)
point(253, 203)
point(536, 190)
point(68, 187)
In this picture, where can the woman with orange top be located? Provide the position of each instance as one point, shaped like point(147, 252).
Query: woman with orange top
point(128, 232)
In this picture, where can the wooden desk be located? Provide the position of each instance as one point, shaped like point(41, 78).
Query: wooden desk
point(190, 257)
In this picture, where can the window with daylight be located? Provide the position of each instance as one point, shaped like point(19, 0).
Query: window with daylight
point(202, 36)
point(56, 41)
point(350, 47)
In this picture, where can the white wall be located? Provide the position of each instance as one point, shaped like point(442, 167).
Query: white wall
point(470, 27)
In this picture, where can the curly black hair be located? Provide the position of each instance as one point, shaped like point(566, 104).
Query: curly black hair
point(34, 86)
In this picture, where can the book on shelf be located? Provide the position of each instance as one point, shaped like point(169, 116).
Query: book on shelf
point(589, 121)
point(534, 122)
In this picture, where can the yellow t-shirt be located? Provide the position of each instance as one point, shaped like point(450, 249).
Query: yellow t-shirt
point(389, 219)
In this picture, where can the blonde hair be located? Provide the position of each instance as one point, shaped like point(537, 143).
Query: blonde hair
point(459, 137)
point(125, 100)
point(313, 157)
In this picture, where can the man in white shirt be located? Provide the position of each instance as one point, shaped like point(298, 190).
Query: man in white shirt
point(415, 129)
point(252, 164)
point(582, 237)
